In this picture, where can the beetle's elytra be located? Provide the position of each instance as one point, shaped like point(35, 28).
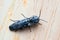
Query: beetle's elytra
point(27, 22)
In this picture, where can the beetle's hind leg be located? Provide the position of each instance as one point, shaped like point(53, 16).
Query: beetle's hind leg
point(23, 15)
point(14, 20)
point(16, 30)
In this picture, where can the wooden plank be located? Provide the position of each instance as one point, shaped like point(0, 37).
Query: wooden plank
point(12, 9)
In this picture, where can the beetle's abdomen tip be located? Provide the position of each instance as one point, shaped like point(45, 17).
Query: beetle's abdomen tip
point(11, 28)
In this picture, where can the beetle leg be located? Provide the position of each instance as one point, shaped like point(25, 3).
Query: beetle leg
point(15, 30)
point(30, 28)
point(14, 20)
point(39, 23)
point(23, 15)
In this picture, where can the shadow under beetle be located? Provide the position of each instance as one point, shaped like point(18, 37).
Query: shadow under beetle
point(27, 22)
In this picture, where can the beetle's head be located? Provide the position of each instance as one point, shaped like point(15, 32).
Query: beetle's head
point(34, 19)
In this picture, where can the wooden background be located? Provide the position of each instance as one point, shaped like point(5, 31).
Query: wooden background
point(12, 9)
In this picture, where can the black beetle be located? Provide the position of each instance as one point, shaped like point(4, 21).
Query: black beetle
point(27, 22)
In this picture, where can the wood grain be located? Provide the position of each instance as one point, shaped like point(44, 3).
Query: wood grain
point(12, 9)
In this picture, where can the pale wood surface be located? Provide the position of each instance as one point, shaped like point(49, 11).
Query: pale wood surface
point(12, 9)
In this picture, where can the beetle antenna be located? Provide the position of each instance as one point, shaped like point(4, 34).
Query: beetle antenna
point(23, 15)
point(43, 20)
point(39, 13)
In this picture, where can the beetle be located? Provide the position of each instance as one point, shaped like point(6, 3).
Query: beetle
point(27, 22)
